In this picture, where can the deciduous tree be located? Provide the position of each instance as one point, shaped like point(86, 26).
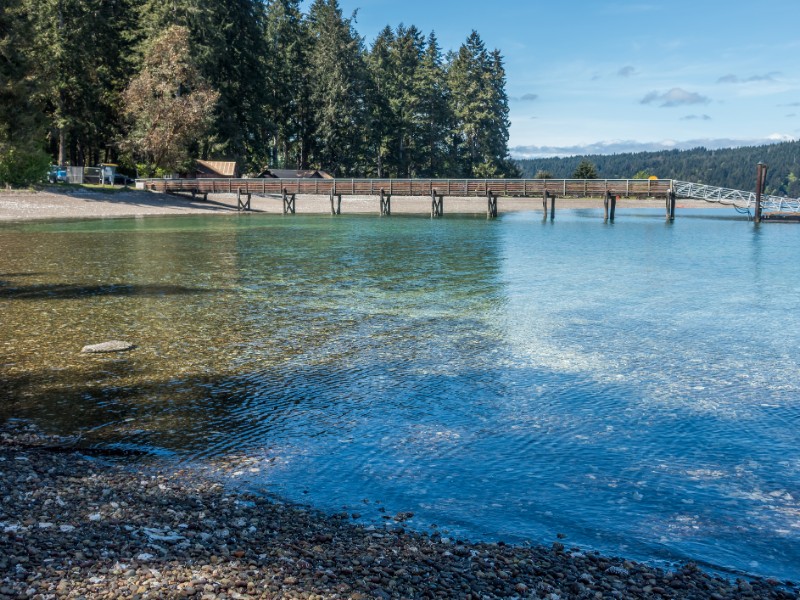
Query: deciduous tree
point(169, 105)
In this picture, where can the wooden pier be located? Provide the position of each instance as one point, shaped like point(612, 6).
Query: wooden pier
point(489, 190)
point(435, 189)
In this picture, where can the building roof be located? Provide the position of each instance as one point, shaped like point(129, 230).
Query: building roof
point(217, 167)
point(295, 174)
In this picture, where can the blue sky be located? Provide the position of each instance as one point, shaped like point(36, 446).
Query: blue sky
point(606, 76)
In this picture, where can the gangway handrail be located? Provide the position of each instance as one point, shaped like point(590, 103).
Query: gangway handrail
point(738, 198)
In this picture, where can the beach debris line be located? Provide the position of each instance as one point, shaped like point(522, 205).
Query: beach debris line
point(109, 346)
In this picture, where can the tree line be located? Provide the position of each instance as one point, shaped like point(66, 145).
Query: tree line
point(153, 84)
point(733, 168)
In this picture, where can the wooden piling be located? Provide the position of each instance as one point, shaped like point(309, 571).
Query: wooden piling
point(437, 205)
point(606, 203)
point(612, 208)
point(386, 203)
point(491, 209)
point(671, 206)
point(761, 179)
point(288, 202)
point(240, 203)
point(545, 196)
point(336, 203)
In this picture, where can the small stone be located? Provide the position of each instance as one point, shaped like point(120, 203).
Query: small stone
point(110, 346)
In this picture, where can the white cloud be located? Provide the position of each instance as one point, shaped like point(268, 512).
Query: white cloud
point(766, 78)
point(674, 97)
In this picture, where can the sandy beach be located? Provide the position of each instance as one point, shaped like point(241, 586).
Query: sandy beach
point(72, 203)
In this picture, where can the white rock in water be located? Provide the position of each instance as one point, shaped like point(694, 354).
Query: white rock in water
point(112, 346)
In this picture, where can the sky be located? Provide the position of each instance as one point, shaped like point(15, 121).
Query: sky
point(610, 76)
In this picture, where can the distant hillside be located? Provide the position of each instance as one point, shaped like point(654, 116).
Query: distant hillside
point(732, 168)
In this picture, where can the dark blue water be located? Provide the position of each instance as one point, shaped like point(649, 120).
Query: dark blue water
point(633, 386)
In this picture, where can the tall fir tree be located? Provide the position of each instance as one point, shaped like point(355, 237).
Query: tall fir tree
point(287, 66)
point(339, 79)
point(406, 54)
point(480, 108)
point(432, 119)
point(80, 86)
point(22, 158)
point(382, 124)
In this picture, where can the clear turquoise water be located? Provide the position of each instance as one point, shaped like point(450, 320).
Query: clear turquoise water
point(631, 385)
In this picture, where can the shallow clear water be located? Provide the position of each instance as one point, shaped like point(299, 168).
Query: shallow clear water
point(633, 386)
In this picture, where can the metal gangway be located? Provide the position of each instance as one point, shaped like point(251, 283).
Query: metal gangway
point(742, 201)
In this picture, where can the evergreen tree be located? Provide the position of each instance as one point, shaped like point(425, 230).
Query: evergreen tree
point(80, 86)
point(480, 107)
point(432, 119)
point(406, 57)
point(382, 124)
point(287, 67)
point(339, 79)
point(585, 170)
point(22, 159)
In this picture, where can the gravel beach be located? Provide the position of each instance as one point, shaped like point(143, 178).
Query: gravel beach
point(71, 203)
point(75, 526)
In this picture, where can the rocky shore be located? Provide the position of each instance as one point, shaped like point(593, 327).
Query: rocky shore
point(73, 526)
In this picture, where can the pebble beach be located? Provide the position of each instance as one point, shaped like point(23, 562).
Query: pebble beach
point(74, 525)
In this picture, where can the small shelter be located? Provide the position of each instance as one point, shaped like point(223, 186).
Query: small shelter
point(294, 174)
point(215, 169)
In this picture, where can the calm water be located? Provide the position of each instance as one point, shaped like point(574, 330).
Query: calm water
point(634, 386)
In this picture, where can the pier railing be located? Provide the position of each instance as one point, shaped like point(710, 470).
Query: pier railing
point(519, 188)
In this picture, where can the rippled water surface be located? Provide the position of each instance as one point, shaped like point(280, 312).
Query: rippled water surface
point(634, 386)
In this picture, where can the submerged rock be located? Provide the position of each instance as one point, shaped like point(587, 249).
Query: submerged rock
point(111, 346)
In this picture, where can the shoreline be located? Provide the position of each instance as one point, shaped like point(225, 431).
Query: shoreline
point(52, 203)
point(72, 526)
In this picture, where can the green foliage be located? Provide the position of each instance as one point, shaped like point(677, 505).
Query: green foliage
point(338, 76)
point(585, 170)
point(643, 174)
point(291, 89)
point(733, 168)
point(169, 104)
point(541, 174)
point(19, 168)
point(480, 107)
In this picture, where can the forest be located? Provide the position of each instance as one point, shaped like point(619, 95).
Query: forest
point(154, 84)
point(731, 168)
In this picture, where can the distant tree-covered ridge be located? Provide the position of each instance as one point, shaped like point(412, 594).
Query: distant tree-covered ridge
point(262, 82)
point(731, 168)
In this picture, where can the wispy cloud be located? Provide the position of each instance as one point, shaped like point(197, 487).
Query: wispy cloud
point(525, 98)
point(696, 118)
point(624, 146)
point(766, 78)
point(791, 104)
point(674, 97)
point(627, 71)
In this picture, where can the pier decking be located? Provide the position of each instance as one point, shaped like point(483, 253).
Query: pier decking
point(785, 209)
